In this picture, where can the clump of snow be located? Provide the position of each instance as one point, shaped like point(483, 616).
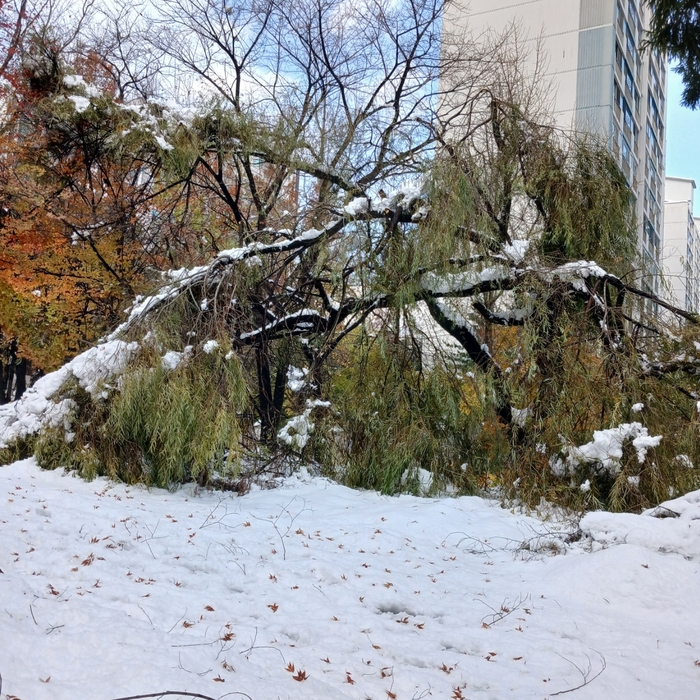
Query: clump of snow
point(520, 415)
point(37, 407)
point(463, 281)
point(643, 442)
point(358, 206)
point(162, 143)
point(210, 346)
point(296, 378)
point(685, 461)
point(254, 261)
point(77, 81)
point(423, 477)
point(605, 450)
point(577, 272)
point(637, 408)
point(172, 359)
point(403, 196)
point(80, 103)
point(517, 251)
point(297, 432)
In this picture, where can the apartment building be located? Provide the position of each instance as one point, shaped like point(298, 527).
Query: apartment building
point(681, 252)
point(602, 83)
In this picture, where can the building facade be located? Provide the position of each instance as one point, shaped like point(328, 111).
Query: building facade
point(603, 84)
point(681, 253)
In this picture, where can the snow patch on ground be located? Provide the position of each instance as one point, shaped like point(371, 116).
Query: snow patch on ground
point(110, 590)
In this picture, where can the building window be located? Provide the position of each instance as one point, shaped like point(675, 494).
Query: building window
point(631, 48)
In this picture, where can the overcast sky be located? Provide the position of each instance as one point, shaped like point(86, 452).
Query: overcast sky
point(682, 137)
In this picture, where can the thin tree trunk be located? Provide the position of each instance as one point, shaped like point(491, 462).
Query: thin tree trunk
point(21, 383)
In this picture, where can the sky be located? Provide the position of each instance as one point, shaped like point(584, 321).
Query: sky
point(682, 137)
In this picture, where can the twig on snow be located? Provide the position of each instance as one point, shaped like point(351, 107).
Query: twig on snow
point(585, 674)
point(175, 625)
point(503, 612)
point(181, 693)
point(253, 646)
point(292, 518)
point(199, 673)
point(147, 615)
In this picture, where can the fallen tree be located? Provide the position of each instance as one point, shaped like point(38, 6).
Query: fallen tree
point(426, 276)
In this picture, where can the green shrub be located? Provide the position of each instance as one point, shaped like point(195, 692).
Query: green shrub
point(160, 426)
point(393, 419)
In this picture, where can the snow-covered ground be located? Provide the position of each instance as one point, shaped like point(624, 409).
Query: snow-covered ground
point(315, 591)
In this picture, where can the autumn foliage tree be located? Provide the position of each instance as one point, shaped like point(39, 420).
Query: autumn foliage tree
point(80, 187)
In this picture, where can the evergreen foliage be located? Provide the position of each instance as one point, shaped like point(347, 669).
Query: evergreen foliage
point(675, 26)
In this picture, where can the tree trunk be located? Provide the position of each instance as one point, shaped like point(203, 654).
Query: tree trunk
point(21, 382)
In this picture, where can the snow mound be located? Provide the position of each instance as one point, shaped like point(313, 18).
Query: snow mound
point(678, 535)
point(685, 507)
point(313, 591)
point(37, 407)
